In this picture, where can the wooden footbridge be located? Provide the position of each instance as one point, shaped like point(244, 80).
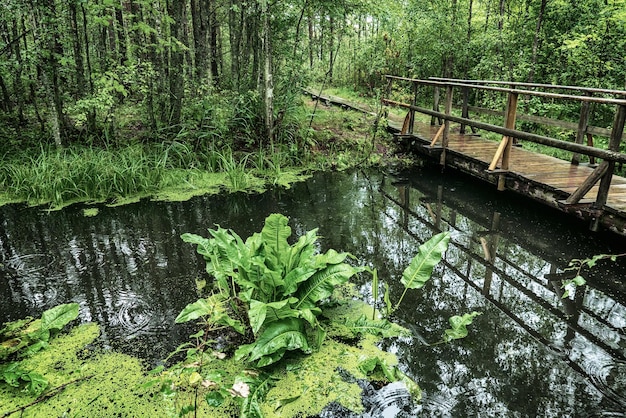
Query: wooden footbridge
point(589, 190)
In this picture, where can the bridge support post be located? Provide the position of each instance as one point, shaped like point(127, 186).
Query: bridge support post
point(446, 124)
point(509, 123)
point(582, 129)
point(412, 111)
point(605, 183)
point(435, 106)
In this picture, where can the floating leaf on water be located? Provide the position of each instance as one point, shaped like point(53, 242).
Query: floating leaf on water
point(459, 325)
point(59, 316)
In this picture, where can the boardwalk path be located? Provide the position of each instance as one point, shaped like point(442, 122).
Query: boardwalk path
point(546, 179)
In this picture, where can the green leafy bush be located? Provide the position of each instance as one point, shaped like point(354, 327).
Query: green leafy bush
point(268, 288)
point(276, 296)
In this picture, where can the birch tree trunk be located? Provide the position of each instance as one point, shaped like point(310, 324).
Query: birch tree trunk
point(268, 83)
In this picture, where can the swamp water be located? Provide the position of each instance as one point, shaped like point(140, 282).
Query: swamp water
point(531, 353)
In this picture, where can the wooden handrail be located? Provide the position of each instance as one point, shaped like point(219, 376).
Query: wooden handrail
point(537, 85)
point(573, 126)
point(544, 94)
point(526, 136)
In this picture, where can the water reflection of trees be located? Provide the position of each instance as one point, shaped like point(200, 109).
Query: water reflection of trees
point(581, 345)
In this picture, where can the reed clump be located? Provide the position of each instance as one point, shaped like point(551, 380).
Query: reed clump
point(63, 176)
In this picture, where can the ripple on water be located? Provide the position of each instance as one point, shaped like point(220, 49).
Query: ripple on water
point(33, 274)
point(137, 316)
point(392, 401)
point(609, 376)
point(23, 265)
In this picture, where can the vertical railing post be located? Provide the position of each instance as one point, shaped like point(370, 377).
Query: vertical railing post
point(614, 144)
point(446, 124)
point(465, 109)
point(582, 129)
point(435, 105)
point(509, 123)
point(412, 111)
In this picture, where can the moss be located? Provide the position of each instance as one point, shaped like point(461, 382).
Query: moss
point(89, 212)
point(306, 390)
point(85, 382)
point(305, 384)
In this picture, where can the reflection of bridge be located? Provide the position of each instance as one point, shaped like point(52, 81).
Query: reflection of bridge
point(487, 262)
point(589, 191)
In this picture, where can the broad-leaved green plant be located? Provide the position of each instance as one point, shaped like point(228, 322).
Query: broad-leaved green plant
point(268, 287)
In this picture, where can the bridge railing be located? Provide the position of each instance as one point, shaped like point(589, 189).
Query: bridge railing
point(500, 163)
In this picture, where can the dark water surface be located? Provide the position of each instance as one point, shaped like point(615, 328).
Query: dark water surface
point(531, 353)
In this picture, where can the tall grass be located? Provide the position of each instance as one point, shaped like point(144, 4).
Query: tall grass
point(235, 169)
point(63, 176)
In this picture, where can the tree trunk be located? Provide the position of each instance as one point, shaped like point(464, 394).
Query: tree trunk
point(311, 38)
point(18, 85)
point(215, 54)
point(469, 21)
point(235, 35)
point(7, 104)
point(176, 89)
point(199, 22)
point(536, 40)
point(81, 84)
point(121, 35)
point(268, 84)
point(331, 48)
point(296, 41)
point(91, 114)
point(44, 30)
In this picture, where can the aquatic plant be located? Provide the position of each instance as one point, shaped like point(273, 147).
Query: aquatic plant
point(575, 268)
point(273, 289)
point(26, 337)
point(281, 300)
point(234, 169)
point(62, 176)
point(415, 276)
point(283, 335)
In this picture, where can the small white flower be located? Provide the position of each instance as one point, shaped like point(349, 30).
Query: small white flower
point(240, 389)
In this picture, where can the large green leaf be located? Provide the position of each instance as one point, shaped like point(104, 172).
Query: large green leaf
point(261, 313)
point(330, 257)
point(203, 244)
point(259, 385)
point(59, 316)
point(302, 252)
point(274, 236)
point(421, 267)
point(321, 285)
point(194, 310)
point(380, 327)
point(295, 277)
point(215, 265)
point(280, 336)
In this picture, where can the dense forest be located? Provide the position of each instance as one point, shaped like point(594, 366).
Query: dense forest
point(111, 73)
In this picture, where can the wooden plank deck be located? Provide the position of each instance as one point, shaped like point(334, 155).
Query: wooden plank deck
point(541, 177)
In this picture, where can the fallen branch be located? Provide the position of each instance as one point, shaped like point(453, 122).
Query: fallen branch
point(45, 396)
